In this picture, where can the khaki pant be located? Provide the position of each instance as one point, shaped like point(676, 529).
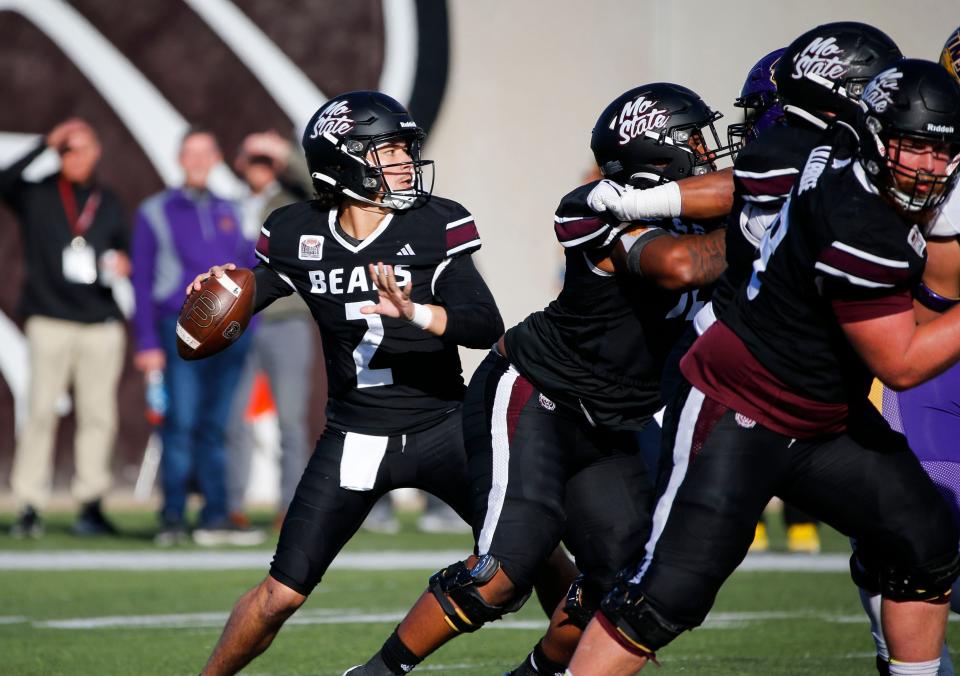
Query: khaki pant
point(90, 356)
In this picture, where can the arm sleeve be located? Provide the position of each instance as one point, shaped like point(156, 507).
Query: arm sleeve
point(473, 319)
point(143, 257)
point(270, 287)
point(271, 282)
point(11, 181)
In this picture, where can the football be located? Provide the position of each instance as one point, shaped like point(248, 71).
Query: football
point(212, 318)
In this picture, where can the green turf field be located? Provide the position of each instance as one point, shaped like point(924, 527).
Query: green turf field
point(165, 622)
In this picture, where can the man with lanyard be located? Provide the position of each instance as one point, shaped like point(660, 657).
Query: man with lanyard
point(74, 242)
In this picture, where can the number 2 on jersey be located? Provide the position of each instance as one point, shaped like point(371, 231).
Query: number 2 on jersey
point(363, 353)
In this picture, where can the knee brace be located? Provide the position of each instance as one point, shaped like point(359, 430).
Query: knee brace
point(931, 581)
point(635, 624)
point(579, 606)
point(458, 585)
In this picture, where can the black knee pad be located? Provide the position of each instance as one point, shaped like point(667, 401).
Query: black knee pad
point(579, 605)
point(929, 582)
point(459, 584)
point(641, 628)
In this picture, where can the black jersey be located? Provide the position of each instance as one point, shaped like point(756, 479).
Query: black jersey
point(600, 347)
point(763, 174)
point(385, 375)
point(839, 253)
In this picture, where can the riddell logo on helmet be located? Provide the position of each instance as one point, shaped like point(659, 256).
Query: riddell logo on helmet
point(821, 57)
point(878, 95)
point(638, 117)
point(939, 128)
point(334, 120)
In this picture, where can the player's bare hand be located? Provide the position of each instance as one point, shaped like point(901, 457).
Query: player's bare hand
point(394, 300)
point(215, 271)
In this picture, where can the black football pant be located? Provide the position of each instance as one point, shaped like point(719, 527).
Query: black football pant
point(323, 516)
point(541, 473)
point(724, 468)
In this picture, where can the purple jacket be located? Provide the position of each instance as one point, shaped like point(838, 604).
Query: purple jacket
point(178, 234)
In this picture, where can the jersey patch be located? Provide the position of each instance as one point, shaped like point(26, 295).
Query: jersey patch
point(311, 248)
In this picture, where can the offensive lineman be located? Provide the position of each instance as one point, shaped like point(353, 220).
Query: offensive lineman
point(929, 415)
point(550, 416)
point(777, 393)
point(390, 335)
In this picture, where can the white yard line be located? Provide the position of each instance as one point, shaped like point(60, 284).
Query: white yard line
point(215, 620)
point(387, 560)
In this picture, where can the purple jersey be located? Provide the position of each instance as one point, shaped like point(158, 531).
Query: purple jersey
point(929, 416)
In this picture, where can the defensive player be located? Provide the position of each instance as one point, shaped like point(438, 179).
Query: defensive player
point(550, 416)
point(775, 401)
point(386, 271)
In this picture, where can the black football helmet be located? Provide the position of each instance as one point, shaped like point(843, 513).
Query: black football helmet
point(913, 101)
point(653, 134)
point(825, 70)
point(341, 142)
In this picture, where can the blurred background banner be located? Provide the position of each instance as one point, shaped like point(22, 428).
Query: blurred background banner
point(141, 73)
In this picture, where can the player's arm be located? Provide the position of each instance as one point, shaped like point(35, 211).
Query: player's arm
point(706, 196)
point(674, 262)
point(901, 353)
point(940, 288)
point(466, 314)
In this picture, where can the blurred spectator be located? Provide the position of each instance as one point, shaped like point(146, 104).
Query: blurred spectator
point(283, 341)
point(74, 243)
point(178, 233)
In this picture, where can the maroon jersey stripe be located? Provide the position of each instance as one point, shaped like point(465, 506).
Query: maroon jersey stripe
point(263, 245)
point(873, 271)
point(462, 234)
point(578, 229)
point(773, 186)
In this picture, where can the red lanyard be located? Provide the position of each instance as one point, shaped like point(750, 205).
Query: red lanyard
point(78, 224)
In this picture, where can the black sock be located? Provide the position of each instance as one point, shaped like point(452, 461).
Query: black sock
point(397, 656)
point(544, 665)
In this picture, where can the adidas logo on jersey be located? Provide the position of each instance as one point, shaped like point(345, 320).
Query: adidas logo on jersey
point(407, 250)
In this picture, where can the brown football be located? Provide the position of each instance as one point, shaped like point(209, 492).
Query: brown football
point(212, 318)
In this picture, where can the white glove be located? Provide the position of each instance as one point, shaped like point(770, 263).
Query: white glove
point(606, 195)
point(662, 201)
